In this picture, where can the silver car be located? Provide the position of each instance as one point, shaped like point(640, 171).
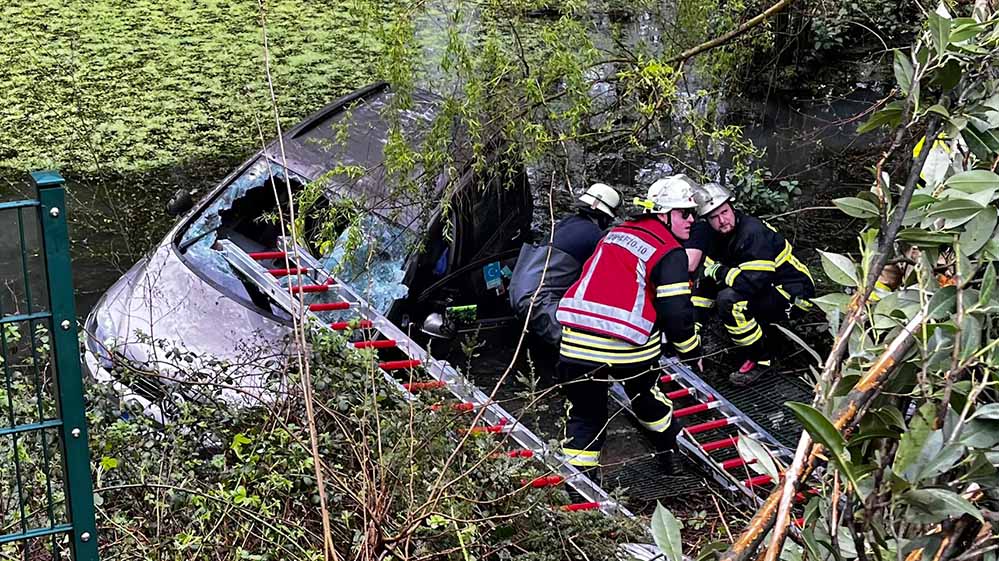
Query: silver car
point(184, 302)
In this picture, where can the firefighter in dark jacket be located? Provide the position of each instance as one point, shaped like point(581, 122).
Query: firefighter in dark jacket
point(750, 275)
point(633, 290)
point(573, 240)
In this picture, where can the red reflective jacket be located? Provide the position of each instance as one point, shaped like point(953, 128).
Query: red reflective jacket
point(614, 296)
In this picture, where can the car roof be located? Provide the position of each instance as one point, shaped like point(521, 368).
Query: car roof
point(353, 132)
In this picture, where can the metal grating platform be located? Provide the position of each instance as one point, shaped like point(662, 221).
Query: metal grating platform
point(763, 401)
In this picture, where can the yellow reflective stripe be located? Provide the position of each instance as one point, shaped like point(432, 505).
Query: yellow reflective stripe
point(732, 273)
point(675, 289)
point(582, 458)
point(880, 291)
point(742, 328)
point(594, 355)
point(659, 425)
point(702, 302)
point(749, 339)
point(688, 345)
point(784, 254)
point(793, 261)
point(708, 261)
point(758, 265)
point(787, 295)
point(595, 341)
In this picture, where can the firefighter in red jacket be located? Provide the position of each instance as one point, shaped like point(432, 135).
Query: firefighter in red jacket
point(633, 290)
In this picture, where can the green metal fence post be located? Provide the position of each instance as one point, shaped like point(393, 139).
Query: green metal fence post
point(66, 351)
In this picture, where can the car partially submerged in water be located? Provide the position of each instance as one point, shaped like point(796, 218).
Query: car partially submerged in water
point(414, 249)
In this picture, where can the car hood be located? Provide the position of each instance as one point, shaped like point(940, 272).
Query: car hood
point(161, 313)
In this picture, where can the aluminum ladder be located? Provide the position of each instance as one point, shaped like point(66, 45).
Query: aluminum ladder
point(321, 296)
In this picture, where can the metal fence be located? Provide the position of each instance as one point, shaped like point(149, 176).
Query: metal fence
point(46, 496)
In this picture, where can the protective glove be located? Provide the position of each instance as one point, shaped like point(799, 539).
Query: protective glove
point(711, 269)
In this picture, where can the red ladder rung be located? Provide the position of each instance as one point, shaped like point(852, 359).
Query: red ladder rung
point(581, 506)
point(486, 430)
point(286, 272)
point(462, 407)
point(736, 462)
point(685, 392)
point(710, 425)
point(300, 288)
point(262, 255)
point(329, 307)
point(758, 480)
point(694, 409)
point(522, 453)
point(341, 325)
point(666, 379)
point(402, 365)
point(543, 481)
point(802, 496)
point(418, 386)
point(378, 344)
point(719, 444)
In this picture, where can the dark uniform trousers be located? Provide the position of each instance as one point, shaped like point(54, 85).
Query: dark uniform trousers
point(745, 316)
point(586, 386)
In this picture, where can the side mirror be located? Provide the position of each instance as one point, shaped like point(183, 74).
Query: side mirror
point(180, 203)
point(435, 325)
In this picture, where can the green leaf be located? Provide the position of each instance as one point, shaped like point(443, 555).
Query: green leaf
point(835, 301)
point(941, 462)
point(238, 441)
point(750, 449)
point(934, 505)
point(943, 303)
point(921, 200)
point(954, 209)
point(973, 181)
point(920, 236)
point(939, 110)
point(978, 231)
point(989, 411)
point(708, 551)
point(890, 115)
point(914, 439)
point(666, 533)
point(108, 463)
point(965, 31)
point(839, 268)
point(978, 141)
point(988, 284)
point(903, 71)
point(939, 31)
point(857, 208)
point(980, 433)
point(823, 432)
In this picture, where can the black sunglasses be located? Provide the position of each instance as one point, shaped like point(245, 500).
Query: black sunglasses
point(686, 212)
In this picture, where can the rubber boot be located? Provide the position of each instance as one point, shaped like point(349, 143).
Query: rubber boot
point(665, 447)
point(593, 473)
point(749, 372)
point(756, 365)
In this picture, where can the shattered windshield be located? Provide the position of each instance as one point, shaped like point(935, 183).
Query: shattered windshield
point(255, 176)
point(198, 240)
point(370, 257)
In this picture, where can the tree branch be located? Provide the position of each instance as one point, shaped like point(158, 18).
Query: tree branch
point(718, 41)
